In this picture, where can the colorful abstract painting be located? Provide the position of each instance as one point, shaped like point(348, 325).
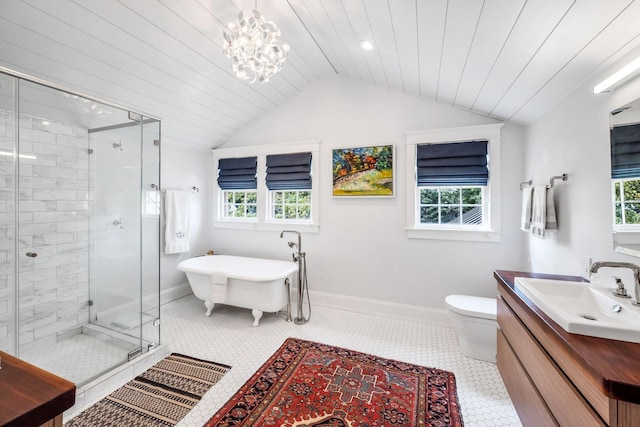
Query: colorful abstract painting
point(363, 171)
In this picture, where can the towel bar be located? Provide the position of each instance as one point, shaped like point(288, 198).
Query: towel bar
point(563, 177)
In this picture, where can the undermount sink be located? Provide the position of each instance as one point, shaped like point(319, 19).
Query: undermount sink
point(583, 308)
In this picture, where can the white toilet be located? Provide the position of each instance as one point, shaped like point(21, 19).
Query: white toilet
point(474, 319)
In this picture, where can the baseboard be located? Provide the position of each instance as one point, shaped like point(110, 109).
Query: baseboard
point(414, 313)
point(174, 293)
point(434, 316)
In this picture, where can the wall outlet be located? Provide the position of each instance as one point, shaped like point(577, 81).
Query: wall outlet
point(586, 264)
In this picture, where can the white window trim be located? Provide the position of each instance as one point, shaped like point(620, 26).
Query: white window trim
point(262, 221)
point(492, 231)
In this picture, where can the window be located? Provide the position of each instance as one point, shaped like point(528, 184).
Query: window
point(284, 185)
point(625, 176)
point(291, 205)
point(454, 177)
point(289, 181)
point(238, 182)
point(239, 204)
point(451, 205)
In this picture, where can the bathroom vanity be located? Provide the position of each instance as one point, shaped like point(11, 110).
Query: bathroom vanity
point(30, 396)
point(557, 378)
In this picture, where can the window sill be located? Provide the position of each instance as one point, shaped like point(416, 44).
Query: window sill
point(241, 225)
point(488, 236)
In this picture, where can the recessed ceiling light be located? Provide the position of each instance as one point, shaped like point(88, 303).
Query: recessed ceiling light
point(366, 45)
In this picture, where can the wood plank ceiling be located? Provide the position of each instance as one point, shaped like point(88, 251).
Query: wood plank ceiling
point(507, 59)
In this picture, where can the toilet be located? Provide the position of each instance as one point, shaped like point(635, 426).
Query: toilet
point(474, 319)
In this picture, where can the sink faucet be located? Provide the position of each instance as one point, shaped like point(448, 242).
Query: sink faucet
point(636, 274)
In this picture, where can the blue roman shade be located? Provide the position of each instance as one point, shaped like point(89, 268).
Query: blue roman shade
point(289, 171)
point(625, 151)
point(452, 164)
point(238, 173)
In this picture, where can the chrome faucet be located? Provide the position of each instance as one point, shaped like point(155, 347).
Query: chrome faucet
point(636, 275)
point(298, 247)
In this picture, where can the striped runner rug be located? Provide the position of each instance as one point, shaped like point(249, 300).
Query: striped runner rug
point(160, 396)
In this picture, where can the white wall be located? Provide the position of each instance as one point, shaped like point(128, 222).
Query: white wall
point(184, 168)
point(361, 249)
point(573, 138)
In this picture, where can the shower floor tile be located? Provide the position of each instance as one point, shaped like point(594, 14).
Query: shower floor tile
point(77, 358)
point(228, 337)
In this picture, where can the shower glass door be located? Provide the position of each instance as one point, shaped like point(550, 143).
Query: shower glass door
point(115, 297)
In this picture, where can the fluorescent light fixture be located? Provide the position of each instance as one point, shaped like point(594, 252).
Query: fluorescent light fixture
point(366, 45)
point(619, 77)
point(22, 156)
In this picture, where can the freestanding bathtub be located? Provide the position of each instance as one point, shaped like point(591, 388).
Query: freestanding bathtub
point(254, 283)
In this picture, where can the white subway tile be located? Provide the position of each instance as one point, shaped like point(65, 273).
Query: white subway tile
point(35, 135)
point(57, 150)
point(53, 238)
point(63, 227)
point(33, 229)
point(53, 172)
point(54, 261)
point(72, 205)
point(37, 205)
point(36, 182)
point(55, 216)
point(40, 194)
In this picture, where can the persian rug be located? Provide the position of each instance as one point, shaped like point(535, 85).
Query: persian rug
point(160, 396)
point(315, 385)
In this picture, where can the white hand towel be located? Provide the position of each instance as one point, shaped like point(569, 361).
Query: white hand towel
point(538, 211)
point(550, 217)
point(525, 218)
point(176, 233)
point(218, 286)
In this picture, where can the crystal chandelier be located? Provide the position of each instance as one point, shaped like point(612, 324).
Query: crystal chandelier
point(254, 46)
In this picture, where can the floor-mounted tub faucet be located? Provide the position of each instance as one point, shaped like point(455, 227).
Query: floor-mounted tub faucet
point(299, 257)
point(636, 273)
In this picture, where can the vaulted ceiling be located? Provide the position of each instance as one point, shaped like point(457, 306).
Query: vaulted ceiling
point(507, 59)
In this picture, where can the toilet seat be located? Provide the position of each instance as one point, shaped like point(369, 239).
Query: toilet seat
point(467, 305)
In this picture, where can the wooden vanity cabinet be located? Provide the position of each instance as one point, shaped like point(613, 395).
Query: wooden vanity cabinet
point(555, 378)
point(30, 396)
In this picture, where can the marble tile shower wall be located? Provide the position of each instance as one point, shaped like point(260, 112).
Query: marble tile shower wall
point(55, 197)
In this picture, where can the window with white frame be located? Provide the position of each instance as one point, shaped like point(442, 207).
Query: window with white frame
point(286, 188)
point(290, 205)
point(289, 181)
point(454, 182)
point(625, 177)
point(238, 182)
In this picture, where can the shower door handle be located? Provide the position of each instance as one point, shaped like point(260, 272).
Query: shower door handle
point(31, 254)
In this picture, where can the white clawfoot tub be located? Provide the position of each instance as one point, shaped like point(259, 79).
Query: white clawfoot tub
point(254, 283)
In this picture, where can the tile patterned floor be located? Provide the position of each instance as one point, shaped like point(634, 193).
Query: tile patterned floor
point(77, 358)
point(228, 337)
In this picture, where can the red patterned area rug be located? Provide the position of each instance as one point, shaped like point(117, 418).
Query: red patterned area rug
point(315, 385)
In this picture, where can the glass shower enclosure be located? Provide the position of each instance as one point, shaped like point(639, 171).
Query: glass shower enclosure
point(79, 229)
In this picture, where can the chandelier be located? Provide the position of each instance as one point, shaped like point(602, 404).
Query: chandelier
point(254, 46)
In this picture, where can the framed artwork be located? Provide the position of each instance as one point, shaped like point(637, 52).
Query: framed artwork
point(363, 171)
